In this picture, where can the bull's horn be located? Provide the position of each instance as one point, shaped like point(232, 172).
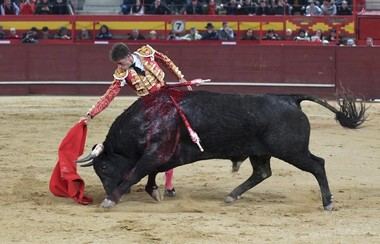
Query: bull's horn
point(88, 164)
point(96, 152)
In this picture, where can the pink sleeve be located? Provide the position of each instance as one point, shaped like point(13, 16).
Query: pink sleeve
point(106, 99)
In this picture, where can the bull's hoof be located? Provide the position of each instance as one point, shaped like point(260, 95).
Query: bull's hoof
point(230, 199)
point(169, 193)
point(329, 207)
point(107, 203)
point(156, 195)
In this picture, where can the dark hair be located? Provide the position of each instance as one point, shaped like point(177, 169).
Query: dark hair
point(119, 51)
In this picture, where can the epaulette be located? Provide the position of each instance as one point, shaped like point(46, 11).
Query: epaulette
point(145, 51)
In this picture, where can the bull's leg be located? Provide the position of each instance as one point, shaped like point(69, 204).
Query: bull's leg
point(261, 171)
point(316, 166)
point(151, 187)
point(169, 188)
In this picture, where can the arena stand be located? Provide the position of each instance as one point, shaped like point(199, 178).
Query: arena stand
point(76, 66)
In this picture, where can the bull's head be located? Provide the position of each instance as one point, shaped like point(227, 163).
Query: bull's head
point(109, 166)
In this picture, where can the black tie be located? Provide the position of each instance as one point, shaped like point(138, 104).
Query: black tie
point(138, 70)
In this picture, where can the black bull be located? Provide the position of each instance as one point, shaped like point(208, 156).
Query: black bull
point(150, 137)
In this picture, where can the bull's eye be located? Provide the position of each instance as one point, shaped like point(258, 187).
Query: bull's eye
point(104, 167)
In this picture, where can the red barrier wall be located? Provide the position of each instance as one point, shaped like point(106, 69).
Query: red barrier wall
point(368, 26)
point(278, 69)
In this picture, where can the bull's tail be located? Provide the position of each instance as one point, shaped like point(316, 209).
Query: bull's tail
point(351, 113)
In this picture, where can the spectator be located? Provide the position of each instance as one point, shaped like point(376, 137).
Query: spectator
point(351, 42)
point(312, 9)
point(263, 8)
point(30, 36)
point(248, 35)
point(344, 9)
point(177, 6)
point(193, 35)
point(60, 7)
point(226, 33)
point(84, 35)
point(280, 8)
point(211, 8)
point(271, 35)
point(63, 33)
point(138, 8)
point(194, 8)
point(172, 36)
point(104, 33)
point(13, 33)
point(9, 8)
point(302, 36)
point(135, 35)
point(328, 8)
point(45, 33)
point(2, 33)
point(369, 42)
point(288, 35)
point(152, 35)
point(317, 36)
point(210, 33)
point(43, 7)
point(248, 8)
point(232, 8)
point(332, 37)
point(134, 7)
point(158, 8)
point(126, 6)
point(27, 7)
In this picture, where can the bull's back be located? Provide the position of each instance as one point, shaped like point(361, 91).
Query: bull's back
point(241, 122)
point(228, 124)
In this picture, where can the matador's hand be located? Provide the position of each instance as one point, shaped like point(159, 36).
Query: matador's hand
point(183, 80)
point(87, 118)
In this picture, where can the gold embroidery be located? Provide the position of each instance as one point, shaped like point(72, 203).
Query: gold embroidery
point(154, 70)
point(120, 74)
point(145, 51)
point(142, 84)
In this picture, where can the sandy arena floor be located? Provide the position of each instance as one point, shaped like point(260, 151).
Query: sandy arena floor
point(285, 208)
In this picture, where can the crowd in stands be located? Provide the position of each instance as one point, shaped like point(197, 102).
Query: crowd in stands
point(35, 7)
point(236, 7)
point(225, 33)
point(189, 7)
point(33, 35)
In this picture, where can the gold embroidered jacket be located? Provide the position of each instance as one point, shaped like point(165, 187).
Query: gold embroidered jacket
point(154, 75)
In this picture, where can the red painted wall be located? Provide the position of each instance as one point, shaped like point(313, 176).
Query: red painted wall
point(368, 26)
point(355, 68)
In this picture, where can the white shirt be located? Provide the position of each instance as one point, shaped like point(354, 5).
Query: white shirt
point(137, 62)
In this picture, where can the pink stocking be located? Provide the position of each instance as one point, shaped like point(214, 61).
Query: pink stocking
point(169, 179)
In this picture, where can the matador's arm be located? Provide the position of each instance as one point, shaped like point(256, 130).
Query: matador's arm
point(106, 99)
point(169, 64)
